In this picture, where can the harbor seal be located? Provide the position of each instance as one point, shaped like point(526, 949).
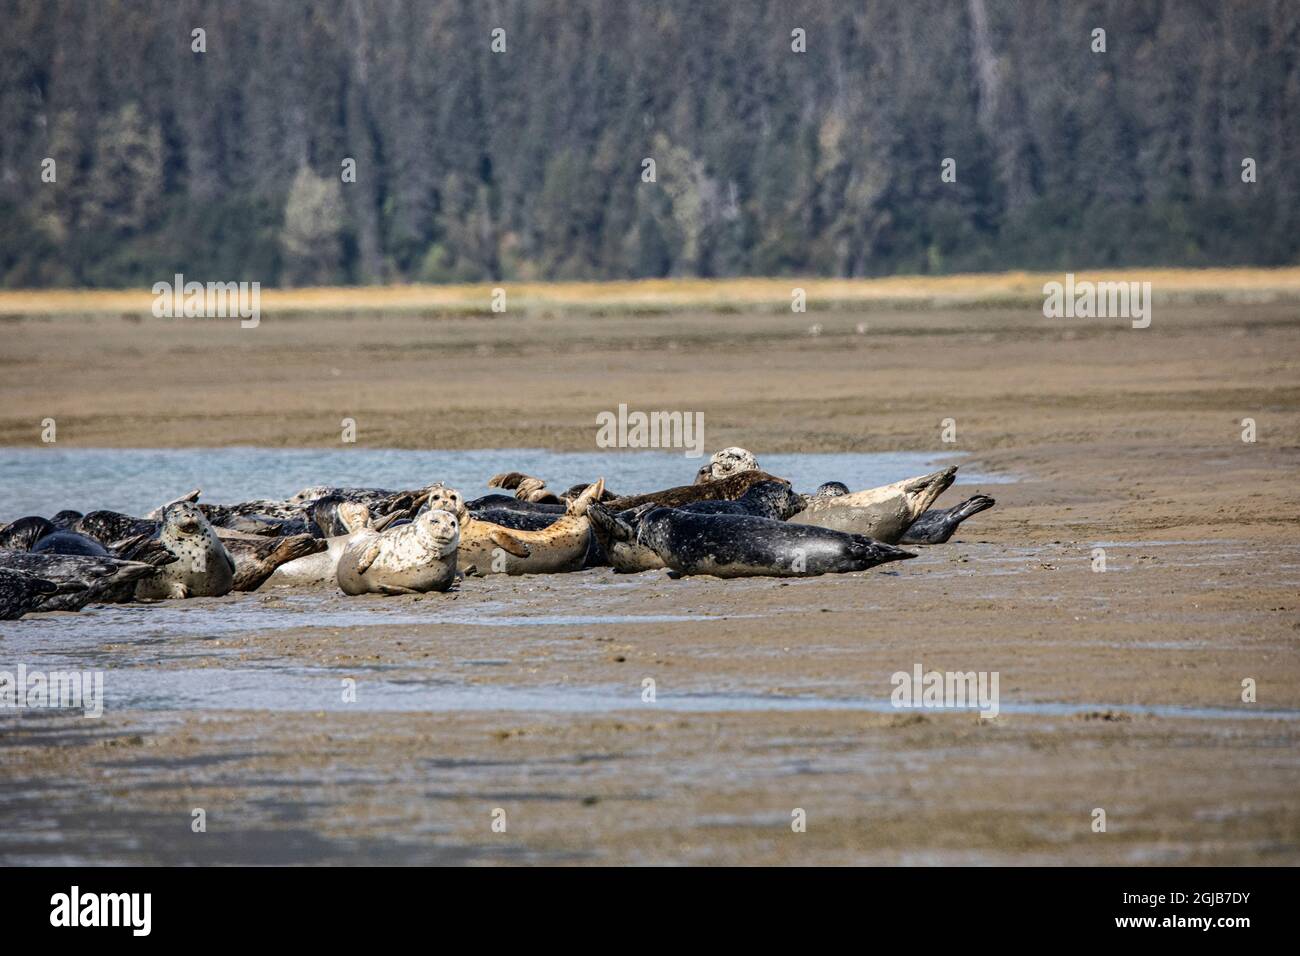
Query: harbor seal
point(81, 579)
point(617, 536)
point(204, 568)
point(616, 533)
point(729, 488)
point(733, 546)
point(729, 461)
point(511, 503)
point(22, 593)
point(321, 569)
point(69, 542)
point(882, 513)
point(767, 499)
point(20, 535)
point(257, 557)
point(410, 559)
point(937, 525)
point(487, 548)
point(110, 528)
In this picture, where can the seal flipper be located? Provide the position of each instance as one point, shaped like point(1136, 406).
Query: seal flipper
point(578, 506)
point(938, 525)
point(871, 552)
point(508, 543)
point(369, 556)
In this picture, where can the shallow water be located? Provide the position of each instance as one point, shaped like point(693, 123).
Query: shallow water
point(51, 478)
point(312, 689)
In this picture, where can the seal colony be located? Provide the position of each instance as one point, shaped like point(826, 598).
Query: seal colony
point(733, 520)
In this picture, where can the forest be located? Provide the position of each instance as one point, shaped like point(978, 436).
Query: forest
point(383, 141)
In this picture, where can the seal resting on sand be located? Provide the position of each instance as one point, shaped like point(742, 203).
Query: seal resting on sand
point(257, 557)
point(410, 559)
point(21, 593)
point(616, 533)
point(734, 546)
point(488, 548)
point(729, 489)
point(80, 579)
point(204, 568)
point(882, 513)
point(321, 568)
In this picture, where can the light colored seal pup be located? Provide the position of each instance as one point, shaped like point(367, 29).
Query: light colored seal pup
point(409, 559)
point(882, 513)
point(488, 548)
point(203, 567)
point(322, 569)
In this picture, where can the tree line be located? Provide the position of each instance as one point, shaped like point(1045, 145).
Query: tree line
point(364, 141)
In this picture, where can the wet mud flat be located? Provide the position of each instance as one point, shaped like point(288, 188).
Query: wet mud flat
point(523, 700)
point(1120, 690)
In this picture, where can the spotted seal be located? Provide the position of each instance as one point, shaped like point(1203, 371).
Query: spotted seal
point(882, 513)
point(204, 568)
point(410, 559)
point(723, 464)
point(81, 579)
point(563, 545)
point(69, 542)
point(257, 557)
point(22, 593)
point(937, 525)
point(617, 532)
point(321, 569)
point(729, 489)
point(733, 546)
point(617, 536)
point(21, 534)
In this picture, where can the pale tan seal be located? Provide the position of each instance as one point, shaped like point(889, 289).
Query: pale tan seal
point(882, 513)
point(409, 559)
point(728, 462)
point(321, 569)
point(488, 548)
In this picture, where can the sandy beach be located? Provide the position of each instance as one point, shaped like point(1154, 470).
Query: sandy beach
point(1121, 690)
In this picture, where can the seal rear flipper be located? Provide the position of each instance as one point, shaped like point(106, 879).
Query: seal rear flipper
point(937, 526)
point(578, 506)
point(613, 526)
point(871, 552)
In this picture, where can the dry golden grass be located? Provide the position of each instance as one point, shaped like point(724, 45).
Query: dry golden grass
point(662, 295)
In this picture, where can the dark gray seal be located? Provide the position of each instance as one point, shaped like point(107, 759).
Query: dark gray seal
point(20, 535)
point(734, 546)
point(22, 593)
point(616, 533)
point(85, 579)
point(767, 499)
point(938, 524)
point(70, 542)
